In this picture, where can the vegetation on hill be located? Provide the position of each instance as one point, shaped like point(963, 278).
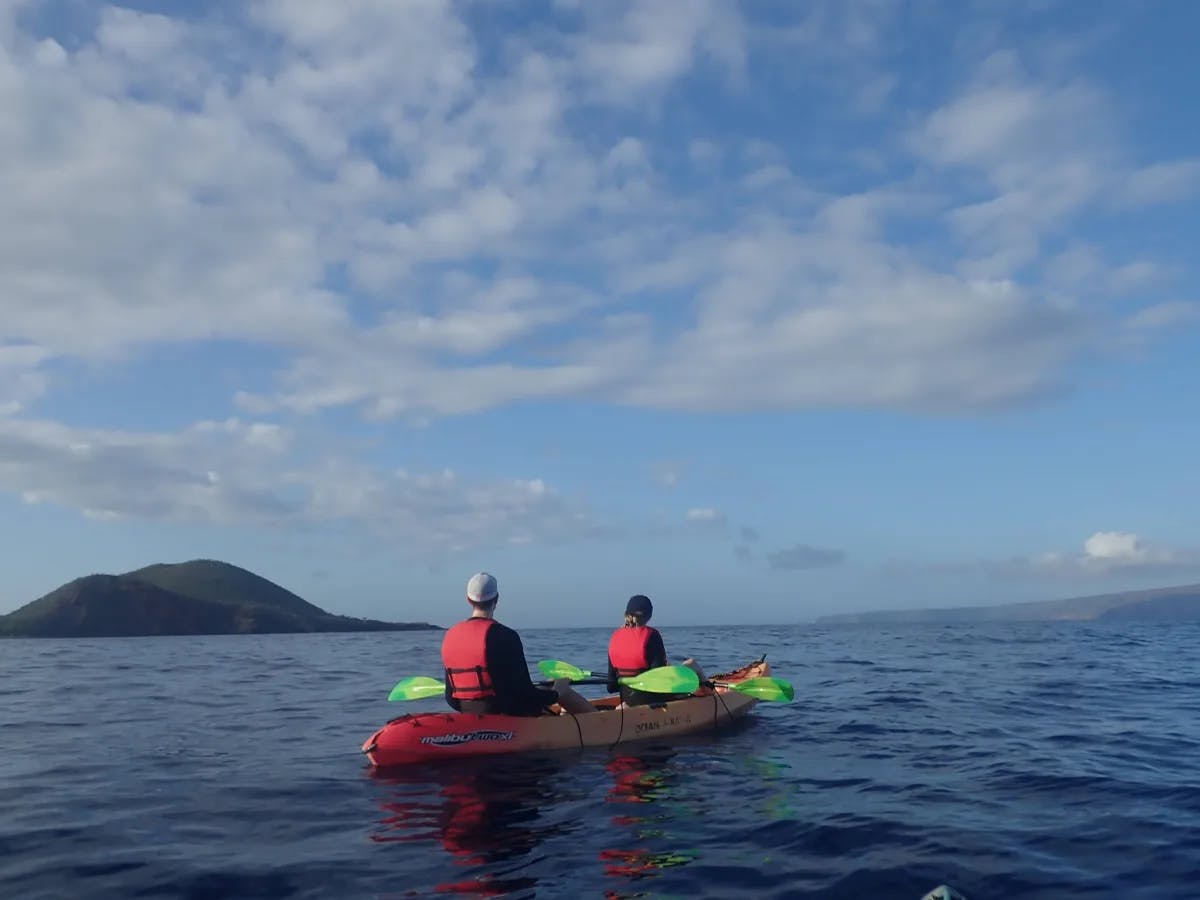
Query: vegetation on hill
point(197, 597)
point(218, 581)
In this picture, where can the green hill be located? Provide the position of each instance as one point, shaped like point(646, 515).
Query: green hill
point(1177, 605)
point(1169, 604)
point(206, 579)
point(198, 597)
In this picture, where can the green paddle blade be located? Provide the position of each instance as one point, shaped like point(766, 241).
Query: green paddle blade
point(417, 688)
point(556, 668)
point(765, 688)
point(665, 680)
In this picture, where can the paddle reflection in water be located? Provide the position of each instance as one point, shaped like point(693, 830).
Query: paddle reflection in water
point(490, 815)
point(645, 780)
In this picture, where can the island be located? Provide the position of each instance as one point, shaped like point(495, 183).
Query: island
point(1167, 604)
point(203, 596)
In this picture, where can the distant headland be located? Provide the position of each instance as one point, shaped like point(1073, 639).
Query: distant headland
point(203, 596)
point(1168, 604)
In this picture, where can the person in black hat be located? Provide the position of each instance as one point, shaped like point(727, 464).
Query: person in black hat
point(636, 647)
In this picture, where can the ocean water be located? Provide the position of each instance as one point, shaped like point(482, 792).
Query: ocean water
point(1028, 761)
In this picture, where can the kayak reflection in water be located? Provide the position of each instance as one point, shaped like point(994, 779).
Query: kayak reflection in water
point(642, 778)
point(638, 778)
point(488, 815)
point(634, 648)
point(485, 664)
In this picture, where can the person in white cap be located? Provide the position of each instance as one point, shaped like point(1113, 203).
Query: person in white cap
point(485, 663)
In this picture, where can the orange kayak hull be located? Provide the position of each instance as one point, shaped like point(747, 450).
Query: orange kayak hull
point(426, 737)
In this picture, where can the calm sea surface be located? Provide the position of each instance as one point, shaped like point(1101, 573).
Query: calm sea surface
point(1018, 761)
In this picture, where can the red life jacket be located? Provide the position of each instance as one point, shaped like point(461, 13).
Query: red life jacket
point(627, 650)
point(464, 656)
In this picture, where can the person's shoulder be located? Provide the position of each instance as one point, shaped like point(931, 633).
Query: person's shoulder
point(501, 630)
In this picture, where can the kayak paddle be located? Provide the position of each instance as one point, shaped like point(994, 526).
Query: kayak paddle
point(417, 688)
point(663, 680)
point(762, 688)
point(556, 668)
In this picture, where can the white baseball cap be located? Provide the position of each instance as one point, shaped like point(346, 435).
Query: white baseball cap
point(482, 588)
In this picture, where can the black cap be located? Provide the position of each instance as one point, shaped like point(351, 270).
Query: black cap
point(639, 604)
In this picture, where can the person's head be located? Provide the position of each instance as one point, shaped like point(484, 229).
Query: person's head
point(638, 610)
point(482, 593)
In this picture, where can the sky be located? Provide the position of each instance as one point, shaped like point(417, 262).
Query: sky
point(766, 310)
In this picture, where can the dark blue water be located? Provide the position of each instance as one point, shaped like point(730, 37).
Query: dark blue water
point(1008, 761)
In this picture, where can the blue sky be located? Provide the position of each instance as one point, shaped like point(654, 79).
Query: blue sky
point(765, 310)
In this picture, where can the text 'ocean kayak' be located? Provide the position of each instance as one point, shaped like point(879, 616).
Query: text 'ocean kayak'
point(449, 735)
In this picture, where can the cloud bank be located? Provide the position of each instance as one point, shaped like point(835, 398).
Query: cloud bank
point(411, 211)
point(406, 201)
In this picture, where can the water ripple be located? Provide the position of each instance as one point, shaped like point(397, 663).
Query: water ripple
point(1033, 761)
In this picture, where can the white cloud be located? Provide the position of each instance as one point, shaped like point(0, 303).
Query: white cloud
point(1000, 123)
point(411, 214)
point(139, 36)
point(648, 44)
point(1161, 183)
point(1105, 554)
point(1115, 547)
point(1044, 150)
point(803, 556)
point(213, 471)
point(20, 378)
point(1165, 315)
point(1048, 152)
point(667, 474)
point(1113, 551)
point(705, 519)
point(250, 472)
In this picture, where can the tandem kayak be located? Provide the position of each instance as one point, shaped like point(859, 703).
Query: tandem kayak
point(423, 737)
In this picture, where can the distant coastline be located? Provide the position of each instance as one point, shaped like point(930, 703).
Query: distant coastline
point(1168, 604)
point(202, 596)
